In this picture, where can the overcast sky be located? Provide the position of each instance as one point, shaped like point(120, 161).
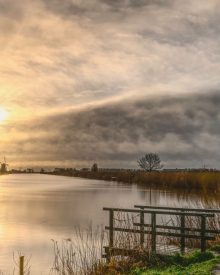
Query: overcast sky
point(109, 80)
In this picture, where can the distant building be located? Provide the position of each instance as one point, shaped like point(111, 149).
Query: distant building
point(85, 169)
point(59, 170)
point(94, 167)
point(30, 170)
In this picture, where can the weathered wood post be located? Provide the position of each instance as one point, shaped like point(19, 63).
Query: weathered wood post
point(111, 230)
point(153, 233)
point(142, 228)
point(203, 233)
point(182, 244)
point(111, 234)
point(21, 265)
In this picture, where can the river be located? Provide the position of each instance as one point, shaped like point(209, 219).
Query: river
point(36, 208)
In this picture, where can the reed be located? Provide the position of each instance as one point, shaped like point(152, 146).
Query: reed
point(80, 255)
point(186, 180)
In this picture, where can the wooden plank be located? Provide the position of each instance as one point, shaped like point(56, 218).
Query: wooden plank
point(205, 210)
point(142, 228)
point(182, 231)
point(21, 265)
point(157, 212)
point(169, 234)
point(129, 230)
point(179, 235)
point(203, 237)
point(122, 210)
point(153, 234)
point(115, 251)
point(111, 228)
point(179, 228)
point(111, 234)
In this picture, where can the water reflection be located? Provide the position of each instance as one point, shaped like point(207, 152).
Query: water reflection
point(37, 208)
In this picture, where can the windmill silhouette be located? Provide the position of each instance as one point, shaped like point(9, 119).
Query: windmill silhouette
point(4, 166)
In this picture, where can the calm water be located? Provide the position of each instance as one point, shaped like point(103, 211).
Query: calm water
point(37, 208)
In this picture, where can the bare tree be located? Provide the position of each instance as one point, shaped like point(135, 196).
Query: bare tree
point(150, 162)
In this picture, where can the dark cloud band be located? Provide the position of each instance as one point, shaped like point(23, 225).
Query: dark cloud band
point(181, 129)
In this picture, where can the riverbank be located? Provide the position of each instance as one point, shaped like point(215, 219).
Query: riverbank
point(195, 263)
point(186, 180)
point(68, 256)
point(192, 263)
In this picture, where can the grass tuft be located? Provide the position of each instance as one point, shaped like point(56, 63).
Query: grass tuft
point(191, 264)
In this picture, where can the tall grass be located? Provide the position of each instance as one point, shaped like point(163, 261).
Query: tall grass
point(80, 255)
point(186, 180)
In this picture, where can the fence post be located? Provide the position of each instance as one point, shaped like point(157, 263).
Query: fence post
point(21, 265)
point(142, 228)
point(203, 237)
point(111, 235)
point(182, 233)
point(111, 230)
point(153, 233)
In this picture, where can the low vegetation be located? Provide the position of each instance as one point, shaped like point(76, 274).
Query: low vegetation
point(151, 175)
point(186, 180)
point(81, 256)
point(191, 264)
point(194, 263)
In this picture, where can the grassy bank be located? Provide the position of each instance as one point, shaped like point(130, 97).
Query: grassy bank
point(81, 256)
point(195, 263)
point(192, 264)
point(186, 180)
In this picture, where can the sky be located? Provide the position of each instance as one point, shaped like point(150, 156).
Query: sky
point(107, 81)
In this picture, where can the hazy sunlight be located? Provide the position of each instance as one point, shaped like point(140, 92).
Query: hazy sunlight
point(3, 114)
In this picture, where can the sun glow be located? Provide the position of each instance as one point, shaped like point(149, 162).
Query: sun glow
point(3, 114)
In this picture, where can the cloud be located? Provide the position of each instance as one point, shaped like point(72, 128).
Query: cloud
point(181, 129)
point(72, 52)
point(67, 55)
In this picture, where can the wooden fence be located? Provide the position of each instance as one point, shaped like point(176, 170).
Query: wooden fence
point(21, 265)
point(182, 232)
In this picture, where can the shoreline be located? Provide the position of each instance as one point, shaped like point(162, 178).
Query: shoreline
point(187, 181)
point(183, 181)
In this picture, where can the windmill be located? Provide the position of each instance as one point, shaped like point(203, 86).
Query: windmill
point(4, 166)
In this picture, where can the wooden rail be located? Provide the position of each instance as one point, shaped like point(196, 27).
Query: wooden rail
point(202, 233)
point(203, 210)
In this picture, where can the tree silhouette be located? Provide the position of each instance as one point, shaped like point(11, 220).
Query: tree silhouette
point(150, 162)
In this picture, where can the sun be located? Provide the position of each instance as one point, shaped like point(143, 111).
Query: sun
point(3, 114)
